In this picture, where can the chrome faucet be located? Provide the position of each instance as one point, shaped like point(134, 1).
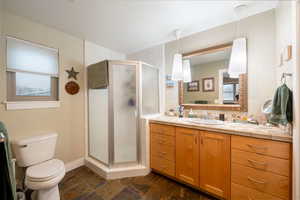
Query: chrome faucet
point(181, 111)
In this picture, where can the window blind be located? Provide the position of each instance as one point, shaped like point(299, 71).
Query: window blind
point(24, 56)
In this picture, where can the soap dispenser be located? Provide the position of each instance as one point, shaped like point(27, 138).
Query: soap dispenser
point(192, 114)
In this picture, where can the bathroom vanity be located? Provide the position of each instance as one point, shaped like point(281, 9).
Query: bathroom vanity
point(237, 162)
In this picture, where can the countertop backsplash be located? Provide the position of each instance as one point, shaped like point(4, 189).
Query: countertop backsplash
point(232, 116)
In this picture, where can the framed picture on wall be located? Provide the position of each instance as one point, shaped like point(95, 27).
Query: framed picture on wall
point(208, 84)
point(193, 86)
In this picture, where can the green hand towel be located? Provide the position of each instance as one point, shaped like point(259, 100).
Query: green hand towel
point(282, 108)
point(8, 154)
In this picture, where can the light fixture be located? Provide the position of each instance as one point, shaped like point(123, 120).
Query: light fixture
point(186, 69)
point(177, 74)
point(238, 58)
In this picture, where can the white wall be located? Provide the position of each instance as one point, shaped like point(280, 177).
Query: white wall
point(261, 55)
point(67, 120)
point(97, 107)
point(95, 53)
point(154, 56)
point(284, 32)
point(1, 27)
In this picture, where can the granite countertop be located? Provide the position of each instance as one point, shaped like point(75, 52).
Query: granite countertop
point(250, 130)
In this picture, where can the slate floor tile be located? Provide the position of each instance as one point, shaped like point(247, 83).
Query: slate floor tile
point(84, 184)
point(127, 194)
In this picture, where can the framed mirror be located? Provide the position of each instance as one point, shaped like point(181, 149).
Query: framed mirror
point(211, 87)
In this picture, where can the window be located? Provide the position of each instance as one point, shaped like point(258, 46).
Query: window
point(32, 71)
point(230, 93)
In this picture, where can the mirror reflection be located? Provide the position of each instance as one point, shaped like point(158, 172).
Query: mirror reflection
point(211, 83)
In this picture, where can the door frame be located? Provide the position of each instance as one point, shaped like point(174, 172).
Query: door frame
point(296, 91)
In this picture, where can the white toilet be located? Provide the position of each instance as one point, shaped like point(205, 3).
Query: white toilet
point(43, 172)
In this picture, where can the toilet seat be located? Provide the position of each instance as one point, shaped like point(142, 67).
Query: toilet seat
point(44, 185)
point(45, 175)
point(45, 171)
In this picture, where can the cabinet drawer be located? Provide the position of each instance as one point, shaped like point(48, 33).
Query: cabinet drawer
point(163, 165)
point(239, 192)
point(261, 162)
point(162, 139)
point(163, 129)
point(261, 146)
point(163, 151)
point(265, 182)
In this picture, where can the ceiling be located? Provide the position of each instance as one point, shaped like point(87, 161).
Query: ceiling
point(131, 25)
point(211, 57)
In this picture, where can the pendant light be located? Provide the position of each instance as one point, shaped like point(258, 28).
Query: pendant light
point(238, 58)
point(177, 74)
point(177, 71)
point(186, 68)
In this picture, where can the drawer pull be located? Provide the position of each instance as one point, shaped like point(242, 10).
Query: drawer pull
point(161, 142)
point(256, 147)
point(256, 181)
point(162, 154)
point(257, 162)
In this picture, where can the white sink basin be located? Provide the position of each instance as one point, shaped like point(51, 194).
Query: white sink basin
point(203, 121)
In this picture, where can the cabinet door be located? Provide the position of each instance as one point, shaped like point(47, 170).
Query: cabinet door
point(215, 163)
point(187, 155)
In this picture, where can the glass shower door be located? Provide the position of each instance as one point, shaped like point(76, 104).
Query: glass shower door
point(150, 90)
point(124, 112)
point(98, 124)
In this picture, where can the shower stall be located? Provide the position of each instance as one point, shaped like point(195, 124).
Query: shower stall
point(119, 94)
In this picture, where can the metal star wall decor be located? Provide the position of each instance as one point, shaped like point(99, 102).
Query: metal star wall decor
point(72, 73)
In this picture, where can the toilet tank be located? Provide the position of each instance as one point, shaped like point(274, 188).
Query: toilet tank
point(34, 150)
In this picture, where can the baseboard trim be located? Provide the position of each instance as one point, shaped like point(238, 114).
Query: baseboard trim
point(116, 173)
point(128, 172)
point(97, 168)
point(74, 164)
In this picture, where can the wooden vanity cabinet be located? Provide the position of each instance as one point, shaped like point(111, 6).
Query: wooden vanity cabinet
point(260, 169)
point(215, 163)
point(162, 149)
point(198, 158)
point(187, 156)
point(227, 166)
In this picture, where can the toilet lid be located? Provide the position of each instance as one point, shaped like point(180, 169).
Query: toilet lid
point(46, 170)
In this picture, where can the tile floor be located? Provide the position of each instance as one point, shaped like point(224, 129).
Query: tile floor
point(83, 184)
